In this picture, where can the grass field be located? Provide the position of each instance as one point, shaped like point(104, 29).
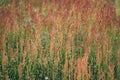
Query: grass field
point(59, 40)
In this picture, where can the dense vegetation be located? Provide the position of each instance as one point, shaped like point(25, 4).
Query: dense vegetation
point(59, 40)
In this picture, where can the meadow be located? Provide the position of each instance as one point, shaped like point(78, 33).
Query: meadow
point(59, 40)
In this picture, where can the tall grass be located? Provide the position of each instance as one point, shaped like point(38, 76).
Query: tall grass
point(59, 40)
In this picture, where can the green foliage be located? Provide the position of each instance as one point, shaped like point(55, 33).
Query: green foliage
point(92, 64)
point(5, 2)
point(79, 48)
point(45, 42)
point(12, 44)
point(61, 63)
point(0, 62)
point(115, 48)
point(3, 73)
point(105, 70)
point(24, 75)
point(1, 65)
point(10, 41)
point(13, 70)
point(37, 70)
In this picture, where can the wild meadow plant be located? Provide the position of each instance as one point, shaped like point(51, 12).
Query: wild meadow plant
point(59, 40)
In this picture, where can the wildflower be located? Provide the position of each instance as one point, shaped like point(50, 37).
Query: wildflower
point(46, 78)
